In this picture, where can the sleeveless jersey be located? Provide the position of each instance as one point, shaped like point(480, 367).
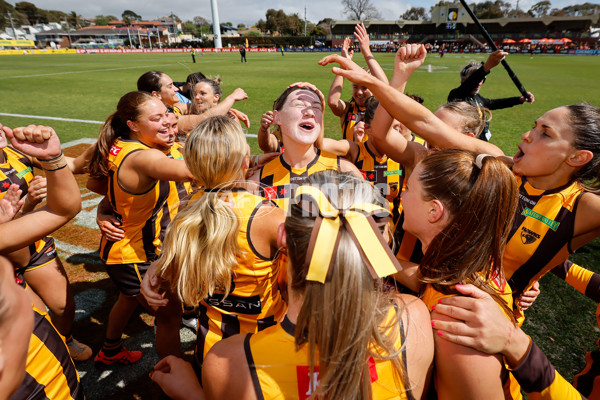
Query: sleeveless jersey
point(49, 371)
point(254, 301)
point(385, 173)
point(353, 115)
point(541, 233)
point(278, 179)
point(17, 169)
point(279, 371)
point(183, 189)
point(144, 216)
point(512, 390)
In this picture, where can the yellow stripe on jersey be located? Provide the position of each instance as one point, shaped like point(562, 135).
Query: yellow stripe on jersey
point(541, 233)
point(353, 115)
point(54, 378)
point(279, 370)
point(144, 216)
point(16, 169)
point(278, 179)
point(254, 301)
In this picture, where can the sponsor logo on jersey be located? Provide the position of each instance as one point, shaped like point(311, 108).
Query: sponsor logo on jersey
point(24, 172)
point(395, 172)
point(545, 220)
point(237, 304)
point(278, 192)
point(528, 236)
point(114, 150)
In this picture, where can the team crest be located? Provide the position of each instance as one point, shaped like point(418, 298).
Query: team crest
point(528, 236)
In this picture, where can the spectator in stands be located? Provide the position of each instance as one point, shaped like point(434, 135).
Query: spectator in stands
point(472, 77)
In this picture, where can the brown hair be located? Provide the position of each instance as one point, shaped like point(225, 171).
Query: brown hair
point(115, 126)
point(481, 203)
point(344, 331)
point(278, 104)
point(150, 81)
point(585, 122)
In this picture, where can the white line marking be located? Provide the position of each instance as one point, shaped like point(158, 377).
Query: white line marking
point(77, 142)
point(85, 121)
point(86, 71)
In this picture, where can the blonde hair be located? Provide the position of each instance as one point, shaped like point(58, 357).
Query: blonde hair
point(344, 318)
point(473, 118)
point(201, 247)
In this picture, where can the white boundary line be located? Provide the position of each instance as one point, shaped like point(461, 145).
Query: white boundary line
point(83, 121)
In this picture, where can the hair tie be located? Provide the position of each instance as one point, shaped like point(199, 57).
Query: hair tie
point(479, 159)
point(212, 190)
point(325, 237)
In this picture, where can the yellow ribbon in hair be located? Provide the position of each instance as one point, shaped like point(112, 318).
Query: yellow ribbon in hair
point(358, 220)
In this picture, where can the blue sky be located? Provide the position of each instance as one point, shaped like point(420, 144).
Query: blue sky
point(244, 11)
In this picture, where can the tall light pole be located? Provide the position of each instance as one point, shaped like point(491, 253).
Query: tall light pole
point(304, 21)
point(216, 24)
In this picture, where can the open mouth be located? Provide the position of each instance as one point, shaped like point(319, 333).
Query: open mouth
point(307, 126)
point(518, 156)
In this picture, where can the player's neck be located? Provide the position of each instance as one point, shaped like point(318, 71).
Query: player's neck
point(298, 155)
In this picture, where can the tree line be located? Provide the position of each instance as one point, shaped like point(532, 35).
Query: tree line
point(504, 9)
point(26, 13)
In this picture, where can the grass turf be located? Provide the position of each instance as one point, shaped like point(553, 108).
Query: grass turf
point(88, 87)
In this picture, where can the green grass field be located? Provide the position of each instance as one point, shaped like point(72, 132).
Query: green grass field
point(88, 87)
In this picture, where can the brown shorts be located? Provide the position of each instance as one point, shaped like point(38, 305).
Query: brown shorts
point(42, 252)
point(127, 277)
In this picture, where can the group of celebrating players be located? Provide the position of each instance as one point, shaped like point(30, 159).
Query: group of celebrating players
point(316, 269)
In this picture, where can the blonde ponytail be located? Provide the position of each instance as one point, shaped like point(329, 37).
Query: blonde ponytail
point(201, 247)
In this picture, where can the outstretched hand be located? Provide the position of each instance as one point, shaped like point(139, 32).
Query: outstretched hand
point(346, 51)
point(360, 32)
point(242, 117)
point(348, 69)
point(34, 140)
point(11, 203)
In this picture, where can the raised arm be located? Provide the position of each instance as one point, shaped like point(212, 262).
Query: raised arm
point(267, 142)
point(389, 141)
point(412, 114)
point(334, 98)
point(360, 32)
point(189, 122)
point(63, 199)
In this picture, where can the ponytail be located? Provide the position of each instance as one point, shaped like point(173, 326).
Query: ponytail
point(201, 249)
point(480, 195)
point(115, 126)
